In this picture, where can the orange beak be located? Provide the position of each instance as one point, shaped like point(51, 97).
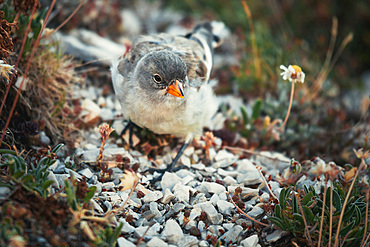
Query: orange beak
point(176, 89)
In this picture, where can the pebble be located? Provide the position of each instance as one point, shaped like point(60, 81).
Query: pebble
point(173, 232)
point(168, 196)
point(211, 187)
point(212, 215)
point(225, 207)
point(275, 236)
point(156, 242)
point(122, 242)
point(251, 241)
point(169, 180)
point(232, 235)
point(87, 173)
point(152, 196)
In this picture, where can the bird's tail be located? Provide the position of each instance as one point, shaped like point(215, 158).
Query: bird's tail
point(209, 35)
point(212, 33)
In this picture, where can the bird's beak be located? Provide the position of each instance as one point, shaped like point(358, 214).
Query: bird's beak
point(176, 89)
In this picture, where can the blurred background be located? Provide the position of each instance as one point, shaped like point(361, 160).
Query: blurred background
point(328, 40)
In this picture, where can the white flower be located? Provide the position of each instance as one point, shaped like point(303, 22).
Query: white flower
point(293, 73)
point(5, 69)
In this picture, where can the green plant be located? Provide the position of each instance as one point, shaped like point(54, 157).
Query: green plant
point(299, 212)
point(108, 236)
point(31, 176)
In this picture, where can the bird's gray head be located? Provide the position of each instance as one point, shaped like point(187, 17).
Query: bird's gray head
point(161, 72)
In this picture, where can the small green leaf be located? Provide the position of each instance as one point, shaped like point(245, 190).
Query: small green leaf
point(90, 194)
point(278, 211)
point(27, 178)
point(46, 184)
point(278, 222)
point(244, 115)
point(308, 214)
point(57, 148)
point(358, 215)
point(349, 213)
point(294, 204)
point(257, 108)
point(307, 198)
point(337, 202)
point(298, 218)
point(346, 229)
point(282, 199)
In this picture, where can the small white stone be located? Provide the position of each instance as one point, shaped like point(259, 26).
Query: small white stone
point(106, 114)
point(275, 236)
point(199, 166)
point(122, 242)
point(251, 241)
point(212, 215)
point(169, 180)
point(51, 176)
point(212, 187)
point(153, 196)
point(90, 106)
point(214, 199)
point(181, 192)
point(172, 232)
point(228, 226)
point(185, 161)
point(61, 178)
point(224, 207)
point(189, 151)
point(255, 212)
point(232, 235)
point(223, 154)
point(229, 180)
point(101, 101)
point(44, 139)
point(87, 173)
point(156, 242)
point(91, 154)
point(168, 196)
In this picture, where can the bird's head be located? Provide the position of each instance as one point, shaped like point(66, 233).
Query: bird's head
point(161, 72)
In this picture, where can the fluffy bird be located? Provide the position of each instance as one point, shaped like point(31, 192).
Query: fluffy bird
point(163, 85)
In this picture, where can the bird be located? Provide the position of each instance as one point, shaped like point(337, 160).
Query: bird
point(162, 82)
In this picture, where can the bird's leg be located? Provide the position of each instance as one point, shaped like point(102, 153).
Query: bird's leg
point(129, 126)
point(170, 168)
point(178, 155)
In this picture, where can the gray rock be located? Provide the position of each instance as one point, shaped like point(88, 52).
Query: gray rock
point(225, 173)
point(126, 228)
point(153, 196)
point(169, 180)
point(275, 236)
point(90, 155)
point(245, 191)
point(173, 232)
point(212, 215)
point(87, 173)
point(44, 139)
point(152, 232)
point(255, 212)
point(214, 199)
point(228, 226)
point(178, 207)
point(251, 241)
point(211, 187)
point(122, 242)
point(4, 191)
point(181, 192)
point(156, 242)
point(189, 241)
point(167, 196)
point(51, 176)
point(224, 207)
point(106, 114)
point(232, 235)
point(61, 178)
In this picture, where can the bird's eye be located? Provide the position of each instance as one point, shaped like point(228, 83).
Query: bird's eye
point(157, 78)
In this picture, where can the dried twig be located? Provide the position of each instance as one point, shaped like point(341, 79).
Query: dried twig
point(254, 153)
point(241, 211)
point(323, 212)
